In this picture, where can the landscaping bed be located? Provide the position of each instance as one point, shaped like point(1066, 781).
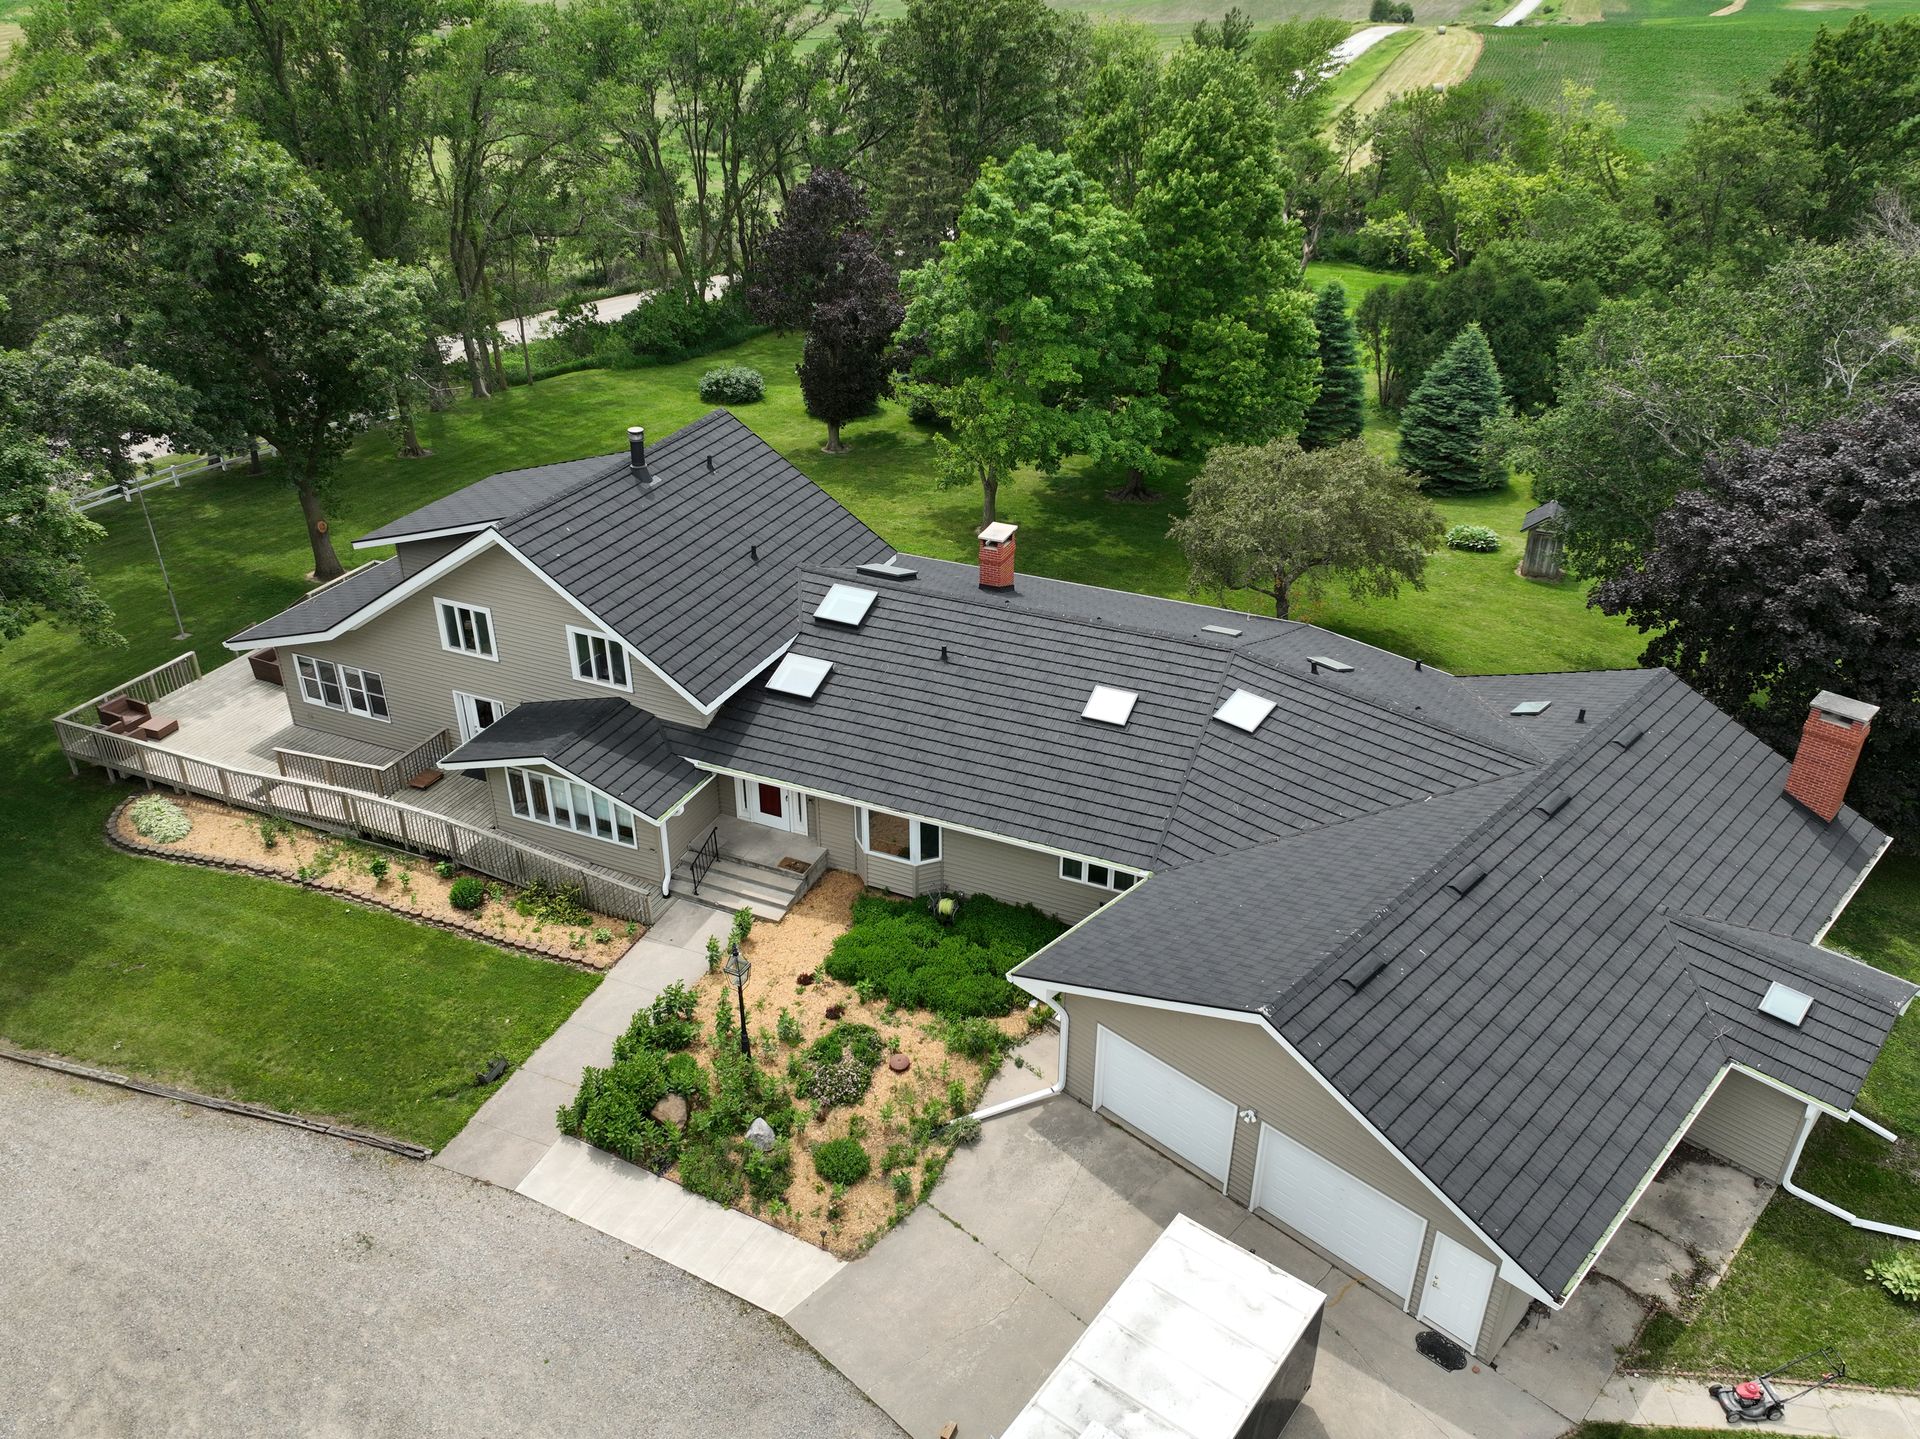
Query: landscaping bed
point(538, 919)
point(855, 1143)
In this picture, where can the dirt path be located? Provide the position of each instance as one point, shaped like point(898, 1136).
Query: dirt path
point(1734, 9)
point(1432, 60)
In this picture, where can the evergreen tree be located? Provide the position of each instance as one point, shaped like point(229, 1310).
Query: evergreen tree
point(911, 192)
point(1443, 430)
point(1339, 412)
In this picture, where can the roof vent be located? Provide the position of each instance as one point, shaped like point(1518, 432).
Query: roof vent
point(637, 454)
point(1227, 630)
point(845, 605)
point(798, 675)
point(1321, 662)
point(1554, 802)
point(887, 571)
point(1109, 705)
point(1244, 710)
point(1627, 738)
point(1530, 707)
point(1463, 882)
point(1786, 1003)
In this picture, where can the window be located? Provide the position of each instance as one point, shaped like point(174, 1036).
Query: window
point(466, 629)
point(894, 836)
point(341, 687)
point(1100, 876)
point(598, 659)
point(567, 804)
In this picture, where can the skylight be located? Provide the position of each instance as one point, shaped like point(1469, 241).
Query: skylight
point(1109, 705)
point(845, 605)
point(1530, 707)
point(1244, 710)
point(1786, 1003)
point(798, 675)
point(1222, 630)
point(1339, 667)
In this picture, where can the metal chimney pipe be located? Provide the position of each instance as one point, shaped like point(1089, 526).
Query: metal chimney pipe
point(637, 450)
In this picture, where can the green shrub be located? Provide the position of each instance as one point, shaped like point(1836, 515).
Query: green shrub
point(841, 1161)
point(906, 954)
point(974, 1038)
point(666, 1026)
point(957, 1098)
point(467, 892)
point(902, 1186)
point(1477, 538)
point(378, 868)
point(159, 819)
point(708, 1168)
point(612, 1110)
point(840, 1064)
point(732, 385)
point(769, 1174)
point(862, 1041)
point(444, 869)
point(789, 1030)
point(553, 903)
point(603, 935)
point(964, 1130)
point(1898, 1272)
point(675, 325)
point(899, 1155)
point(742, 925)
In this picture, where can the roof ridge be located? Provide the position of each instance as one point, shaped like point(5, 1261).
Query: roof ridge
point(619, 462)
point(1449, 863)
point(1742, 936)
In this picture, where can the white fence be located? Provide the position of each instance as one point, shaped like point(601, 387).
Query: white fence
point(171, 475)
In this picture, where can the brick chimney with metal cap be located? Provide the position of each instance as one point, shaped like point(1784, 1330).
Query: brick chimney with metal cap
point(1830, 744)
point(996, 556)
point(637, 453)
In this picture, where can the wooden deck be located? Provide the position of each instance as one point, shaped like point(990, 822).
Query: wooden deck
point(230, 718)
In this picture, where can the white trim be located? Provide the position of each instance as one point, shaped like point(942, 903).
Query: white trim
point(793, 817)
point(863, 834)
point(1419, 1249)
point(1134, 876)
point(814, 792)
point(472, 701)
point(523, 761)
point(395, 541)
point(1872, 1226)
point(1847, 898)
point(613, 642)
point(341, 670)
point(441, 604)
point(593, 830)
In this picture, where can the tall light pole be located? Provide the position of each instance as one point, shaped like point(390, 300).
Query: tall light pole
point(129, 491)
point(737, 968)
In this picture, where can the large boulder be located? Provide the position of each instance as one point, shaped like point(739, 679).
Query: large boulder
point(761, 1136)
point(672, 1110)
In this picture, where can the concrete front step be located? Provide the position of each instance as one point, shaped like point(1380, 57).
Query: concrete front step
point(730, 890)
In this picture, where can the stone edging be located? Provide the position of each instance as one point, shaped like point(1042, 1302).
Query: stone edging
point(260, 871)
point(227, 1106)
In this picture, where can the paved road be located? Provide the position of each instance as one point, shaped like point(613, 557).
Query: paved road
point(167, 1270)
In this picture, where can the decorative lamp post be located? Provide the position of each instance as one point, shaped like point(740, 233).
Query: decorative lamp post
point(737, 967)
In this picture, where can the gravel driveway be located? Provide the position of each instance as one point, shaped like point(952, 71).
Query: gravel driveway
point(168, 1270)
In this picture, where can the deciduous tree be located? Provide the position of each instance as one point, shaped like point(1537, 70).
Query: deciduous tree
point(1285, 522)
point(801, 254)
point(843, 365)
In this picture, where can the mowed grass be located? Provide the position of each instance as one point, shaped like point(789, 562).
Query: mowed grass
point(1173, 20)
point(1799, 1282)
point(1662, 61)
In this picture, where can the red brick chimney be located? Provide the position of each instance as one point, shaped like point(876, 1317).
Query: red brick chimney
point(996, 556)
point(1830, 744)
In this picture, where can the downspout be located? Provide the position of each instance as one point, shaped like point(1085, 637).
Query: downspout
point(1871, 1225)
point(1007, 1106)
point(666, 859)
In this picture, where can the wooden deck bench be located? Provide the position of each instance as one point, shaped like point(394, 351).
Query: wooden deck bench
point(265, 664)
point(426, 779)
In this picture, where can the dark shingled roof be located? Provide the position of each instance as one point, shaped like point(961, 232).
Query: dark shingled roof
point(992, 736)
point(1549, 511)
point(323, 611)
point(614, 746)
point(497, 497)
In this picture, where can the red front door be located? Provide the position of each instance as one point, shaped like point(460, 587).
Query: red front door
point(767, 796)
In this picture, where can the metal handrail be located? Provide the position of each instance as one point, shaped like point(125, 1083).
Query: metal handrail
point(704, 857)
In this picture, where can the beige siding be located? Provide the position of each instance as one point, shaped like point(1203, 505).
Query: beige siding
point(1505, 1310)
point(1751, 1125)
point(894, 875)
point(416, 555)
point(641, 861)
point(1022, 876)
point(1243, 1063)
point(831, 823)
point(690, 826)
point(403, 645)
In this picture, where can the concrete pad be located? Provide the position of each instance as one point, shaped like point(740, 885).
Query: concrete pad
point(570, 1049)
point(687, 922)
point(1564, 1359)
point(1870, 1416)
point(1646, 1400)
point(1261, 1238)
point(482, 1151)
point(1648, 1263)
point(940, 1331)
point(609, 1008)
point(770, 1271)
point(1032, 1066)
point(526, 1105)
point(1705, 1205)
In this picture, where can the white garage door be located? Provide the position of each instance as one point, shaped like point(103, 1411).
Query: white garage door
point(1356, 1223)
point(1158, 1100)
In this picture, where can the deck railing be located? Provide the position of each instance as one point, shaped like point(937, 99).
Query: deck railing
point(388, 778)
point(156, 684)
point(337, 807)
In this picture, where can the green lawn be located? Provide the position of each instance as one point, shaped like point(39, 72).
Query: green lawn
point(313, 1005)
point(1663, 61)
point(1798, 1283)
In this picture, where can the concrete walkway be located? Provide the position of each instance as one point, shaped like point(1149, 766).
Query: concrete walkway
point(1683, 1404)
point(513, 1141)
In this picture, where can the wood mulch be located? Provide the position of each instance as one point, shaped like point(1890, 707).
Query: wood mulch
point(232, 838)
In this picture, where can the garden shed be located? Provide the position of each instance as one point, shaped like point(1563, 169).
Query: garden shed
point(1543, 527)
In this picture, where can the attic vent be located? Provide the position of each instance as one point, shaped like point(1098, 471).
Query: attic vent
point(1364, 971)
point(1554, 802)
point(1784, 1002)
point(1463, 882)
point(798, 675)
point(1109, 705)
point(1222, 630)
point(1244, 710)
point(1530, 707)
point(845, 605)
point(1628, 738)
point(1321, 662)
point(888, 571)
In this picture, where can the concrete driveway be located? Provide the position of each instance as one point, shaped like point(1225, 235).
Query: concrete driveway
point(959, 1313)
point(166, 1270)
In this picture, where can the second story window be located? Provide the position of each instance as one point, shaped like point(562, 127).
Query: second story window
point(466, 629)
point(598, 659)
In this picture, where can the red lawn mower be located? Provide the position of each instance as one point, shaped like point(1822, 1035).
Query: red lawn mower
point(1757, 1400)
